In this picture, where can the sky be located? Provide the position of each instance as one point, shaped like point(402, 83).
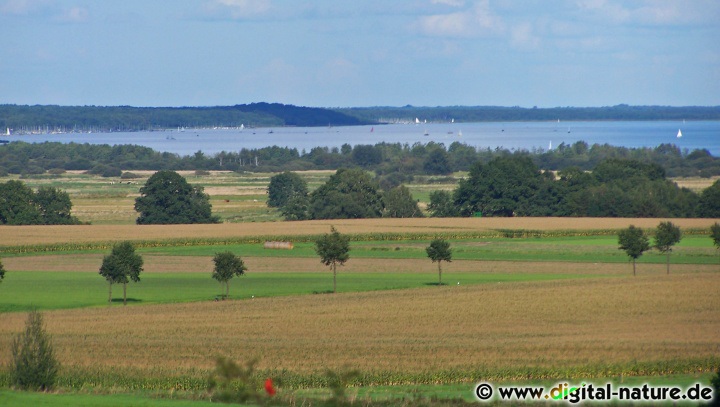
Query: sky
point(350, 53)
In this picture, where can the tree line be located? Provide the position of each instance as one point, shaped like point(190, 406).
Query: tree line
point(515, 186)
point(48, 118)
point(395, 162)
point(504, 187)
point(475, 114)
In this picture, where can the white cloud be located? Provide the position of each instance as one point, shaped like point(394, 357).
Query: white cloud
point(477, 20)
point(74, 15)
point(654, 12)
point(239, 9)
point(452, 3)
point(522, 36)
point(24, 7)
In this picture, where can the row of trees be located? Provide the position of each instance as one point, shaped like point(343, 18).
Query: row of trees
point(123, 265)
point(385, 159)
point(515, 186)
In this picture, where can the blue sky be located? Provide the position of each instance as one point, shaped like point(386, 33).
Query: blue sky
point(337, 53)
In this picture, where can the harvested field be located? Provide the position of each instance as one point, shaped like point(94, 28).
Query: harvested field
point(33, 235)
point(553, 325)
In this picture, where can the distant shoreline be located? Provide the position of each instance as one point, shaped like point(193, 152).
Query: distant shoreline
point(39, 119)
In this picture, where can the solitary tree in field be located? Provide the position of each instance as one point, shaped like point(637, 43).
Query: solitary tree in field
point(121, 266)
point(439, 251)
point(2, 272)
point(167, 198)
point(666, 237)
point(227, 266)
point(715, 235)
point(333, 249)
point(634, 242)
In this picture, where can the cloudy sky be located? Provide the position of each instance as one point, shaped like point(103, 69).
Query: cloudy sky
point(329, 53)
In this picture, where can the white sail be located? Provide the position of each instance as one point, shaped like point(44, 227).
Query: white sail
point(417, 121)
point(679, 133)
point(7, 132)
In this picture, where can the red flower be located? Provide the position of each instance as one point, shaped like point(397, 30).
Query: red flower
point(269, 387)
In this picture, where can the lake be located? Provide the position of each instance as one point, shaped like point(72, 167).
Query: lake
point(510, 135)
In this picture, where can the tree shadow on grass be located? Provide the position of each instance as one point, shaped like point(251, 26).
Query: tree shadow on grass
point(436, 284)
point(129, 300)
point(323, 292)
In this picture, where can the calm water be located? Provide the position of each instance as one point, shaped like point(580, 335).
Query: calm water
point(514, 135)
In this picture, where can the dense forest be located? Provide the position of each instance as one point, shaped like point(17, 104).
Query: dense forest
point(394, 163)
point(29, 119)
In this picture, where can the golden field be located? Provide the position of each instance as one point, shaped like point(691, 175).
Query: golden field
point(553, 325)
point(33, 235)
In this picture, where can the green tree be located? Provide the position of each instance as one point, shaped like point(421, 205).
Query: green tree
point(348, 194)
point(33, 366)
point(506, 186)
point(442, 205)
point(709, 205)
point(55, 207)
point(17, 204)
point(227, 266)
point(667, 236)
point(2, 272)
point(334, 250)
point(283, 187)
point(715, 235)
point(439, 251)
point(399, 203)
point(296, 208)
point(634, 242)
point(437, 162)
point(167, 198)
point(121, 266)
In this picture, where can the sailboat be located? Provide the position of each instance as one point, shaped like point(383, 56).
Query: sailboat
point(679, 133)
point(417, 121)
point(7, 131)
point(550, 146)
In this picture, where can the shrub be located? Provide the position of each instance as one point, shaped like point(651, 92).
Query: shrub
point(129, 175)
point(105, 171)
point(56, 171)
point(33, 365)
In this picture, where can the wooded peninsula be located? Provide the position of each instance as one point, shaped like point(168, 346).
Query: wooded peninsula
point(48, 118)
